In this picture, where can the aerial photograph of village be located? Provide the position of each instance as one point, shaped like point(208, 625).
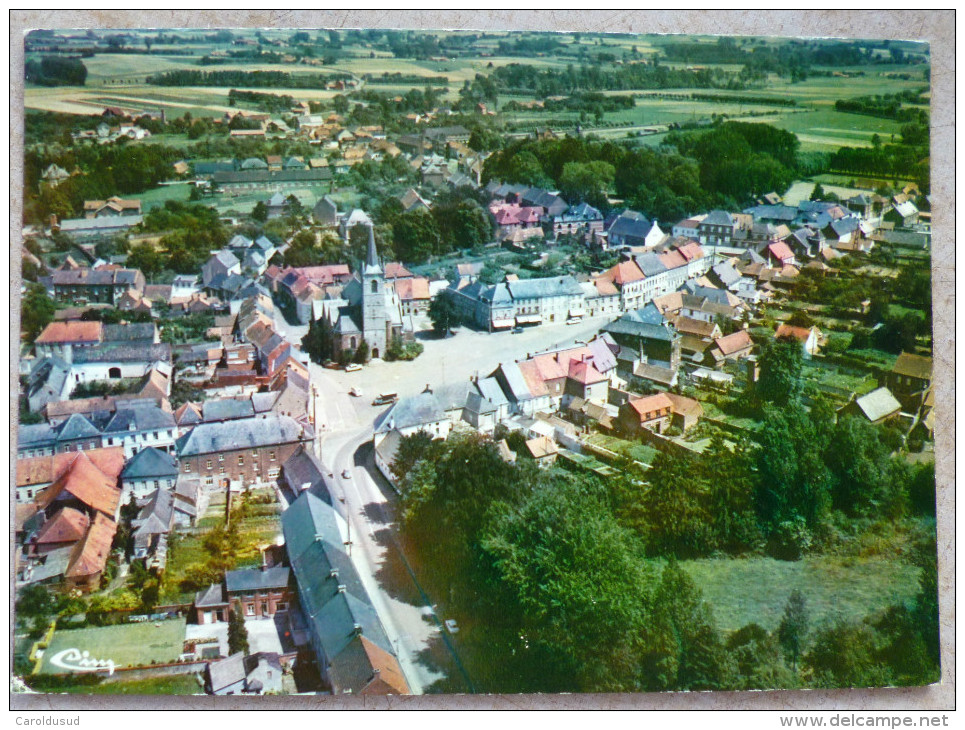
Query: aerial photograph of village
point(403, 362)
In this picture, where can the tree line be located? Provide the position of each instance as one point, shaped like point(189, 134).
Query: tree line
point(252, 79)
point(55, 71)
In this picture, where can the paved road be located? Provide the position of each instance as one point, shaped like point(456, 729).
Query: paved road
point(344, 428)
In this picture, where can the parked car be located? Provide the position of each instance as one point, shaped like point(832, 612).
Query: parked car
point(346, 474)
point(517, 330)
point(357, 392)
point(385, 399)
point(352, 367)
point(574, 320)
point(452, 626)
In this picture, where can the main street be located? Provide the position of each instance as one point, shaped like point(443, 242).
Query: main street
point(344, 427)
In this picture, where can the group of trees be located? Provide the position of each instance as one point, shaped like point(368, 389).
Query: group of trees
point(55, 71)
point(888, 106)
point(722, 167)
point(554, 564)
point(242, 79)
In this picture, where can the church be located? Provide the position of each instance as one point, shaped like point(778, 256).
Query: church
point(370, 310)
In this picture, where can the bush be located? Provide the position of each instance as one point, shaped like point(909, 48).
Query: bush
point(790, 540)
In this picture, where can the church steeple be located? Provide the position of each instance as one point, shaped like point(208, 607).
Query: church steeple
point(372, 260)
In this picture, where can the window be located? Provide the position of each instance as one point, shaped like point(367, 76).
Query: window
point(220, 458)
point(208, 464)
point(249, 609)
point(157, 484)
point(170, 433)
point(110, 442)
point(271, 455)
point(221, 470)
point(273, 473)
point(209, 481)
point(241, 459)
point(187, 468)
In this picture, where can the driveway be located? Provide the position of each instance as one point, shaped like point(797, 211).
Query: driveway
point(264, 634)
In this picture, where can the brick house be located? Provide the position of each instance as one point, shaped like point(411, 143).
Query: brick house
point(245, 451)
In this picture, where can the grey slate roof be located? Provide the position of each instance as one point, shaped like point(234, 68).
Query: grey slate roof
point(878, 404)
point(718, 218)
point(225, 409)
point(227, 672)
point(417, 410)
point(303, 467)
point(650, 264)
point(132, 332)
point(124, 352)
point(77, 426)
point(257, 579)
point(546, 287)
point(490, 389)
point(210, 438)
point(143, 417)
point(150, 463)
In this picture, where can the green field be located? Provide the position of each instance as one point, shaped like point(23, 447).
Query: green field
point(157, 197)
point(635, 450)
point(742, 591)
point(124, 644)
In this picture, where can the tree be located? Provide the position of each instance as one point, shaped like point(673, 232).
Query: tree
point(757, 658)
point(781, 364)
point(411, 449)
point(237, 633)
point(586, 632)
point(318, 342)
point(415, 236)
point(818, 192)
point(672, 508)
point(443, 314)
point(793, 629)
point(588, 182)
point(362, 353)
point(146, 258)
point(690, 634)
point(843, 655)
point(260, 211)
point(36, 311)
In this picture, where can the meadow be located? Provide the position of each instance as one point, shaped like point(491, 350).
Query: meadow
point(832, 587)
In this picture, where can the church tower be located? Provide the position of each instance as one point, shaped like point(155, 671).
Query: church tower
point(375, 315)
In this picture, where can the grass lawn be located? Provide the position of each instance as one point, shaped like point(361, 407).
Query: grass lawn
point(124, 644)
point(635, 450)
point(157, 197)
point(178, 684)
point(742, 591)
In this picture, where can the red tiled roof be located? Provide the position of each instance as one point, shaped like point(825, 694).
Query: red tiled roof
point(395, 270)
point(734, 342)
point(584, 373)
point(90, 555)
point(388, 676)
point(651, 404)
point(798, 333)
point(684, 405)
point(73, 331)
point(84, 480)
point(412, 289)
point(781, 251)
point(68, 525)
point(534, 380)
point(673, 259)
point(624, 273)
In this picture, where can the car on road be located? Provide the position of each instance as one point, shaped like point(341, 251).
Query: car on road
point(517, 330)
point(357, 392)
point(385, 399)
point(574, 320)
point(452, 626)
point(352, 367)
point(346, 474)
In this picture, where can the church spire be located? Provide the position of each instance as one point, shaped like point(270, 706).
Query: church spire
point(373, 259)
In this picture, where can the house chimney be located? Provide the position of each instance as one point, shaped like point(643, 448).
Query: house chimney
point(333, 573)
point(341, 589)
point(356, 629)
